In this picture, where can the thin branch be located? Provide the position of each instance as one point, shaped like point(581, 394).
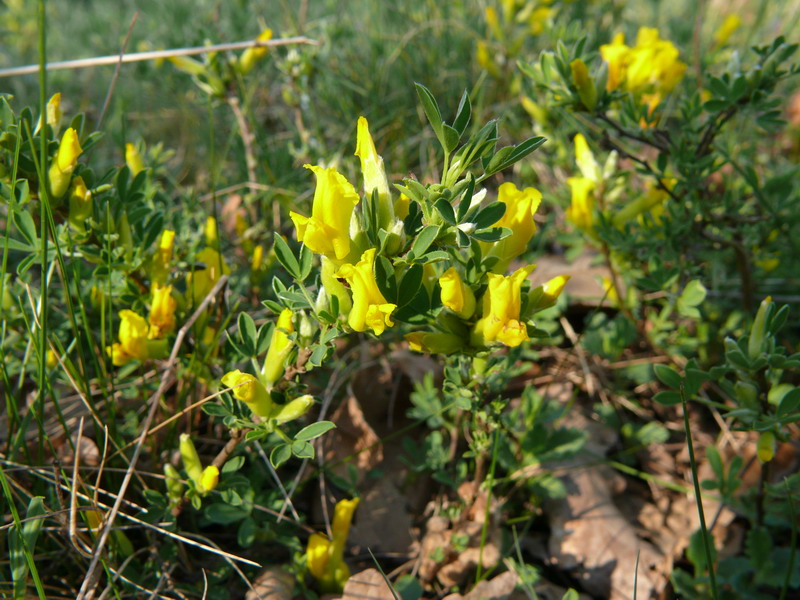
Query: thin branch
point(98, 61)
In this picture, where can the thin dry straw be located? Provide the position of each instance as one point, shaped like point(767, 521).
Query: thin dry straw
point(114, 59)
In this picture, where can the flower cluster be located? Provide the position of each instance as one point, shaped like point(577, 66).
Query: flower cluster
point(649, 70)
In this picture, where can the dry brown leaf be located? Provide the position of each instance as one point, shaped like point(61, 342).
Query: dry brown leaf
point(367, 585)
point(497, 588)
point(274, 583)
point(383, 522)
point(352, 436)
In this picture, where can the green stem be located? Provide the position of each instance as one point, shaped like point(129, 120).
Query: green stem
point(706, 535)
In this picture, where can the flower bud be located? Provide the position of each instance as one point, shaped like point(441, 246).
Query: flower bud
point(209, 479)
point(434, 343)
point(173, 483)
point(249, 390)
point(759, 329)
point(133, 159)
point(765, 448)
point(212, 236)
point(80, 205)
point(252, 55)
point(292, 410)
point(191, 460)
point(64, 164)
point(279, 348)
point(546, 294)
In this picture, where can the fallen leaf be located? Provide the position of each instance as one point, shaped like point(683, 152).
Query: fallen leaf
point(274, 583)
point(354, 437)
point(367, 585)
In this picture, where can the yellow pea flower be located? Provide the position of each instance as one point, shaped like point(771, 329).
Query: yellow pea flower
point(538, 19)
point(133, 342)
point(431, 342)
point(616, 56)
point(483, 55)
point(258, 258)
point(455, 295)
point(80, 205)
point(279, 348)
point(133, 159)
point(162, 312)
point(249, 390)
point(51, 359)
point(66, 160)
point(521, 205)
point(501, 310)
point(325, 557)
point(159, 267)
point(327, 231)
point(252, 55)
point(581, 212)
point(374, 173)
point(402, 206)
point(202, 280)
point(584, 83)
point(370, 309)
point(731, 23)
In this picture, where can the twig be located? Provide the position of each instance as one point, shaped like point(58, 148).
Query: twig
point(625, 133)
point(167, 378)
point(247, 140)
point(98, 61)
point(115, 77)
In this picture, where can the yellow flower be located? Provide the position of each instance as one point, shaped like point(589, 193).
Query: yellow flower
point(249, 390)
point(455, 295)
point(202, 280)
point(159, 268)
point(324, 557)
point(252, 55)
point(133, 342)
point(616, 55)
point(210, 231)
point(370, 309)
point(133, 159)
point(585, 159)
point(374, 174)
point(521, 205)
point(401, 206)
point(581, 211)
point(162, 312)
point(327, 231)
point(54, 111)
point(501, 310)
point(538, 19)
point(584, 84)
point(66, 160)
point(434, 343)
point(80, 205)
point(485, 59)
point(209, 479)
point(731, 23)
point(258, 258)
point(279, 347)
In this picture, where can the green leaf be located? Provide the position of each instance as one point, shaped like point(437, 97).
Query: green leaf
point(280, 454)
point(314, 430)
point(667, 398)
point(466, 199)
point(286, 257)
point(302, 449)
point(463, 114)
point(24, 222)
point(668, 376)
point(409, 285)
point(450, 138)
point(224, 514)
point(431, 109)
point(247, 332)
point(246, 534)
point(503, 160)
point(385, 278)
point(233, 464)
point(215, 410)
point(692, 296)
point(489, 215)
point(789, 404)
point(494, 234)
point(306, 262)
point(22, 544)
point(445, 209)
point(425, 238)
point(407, 586)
